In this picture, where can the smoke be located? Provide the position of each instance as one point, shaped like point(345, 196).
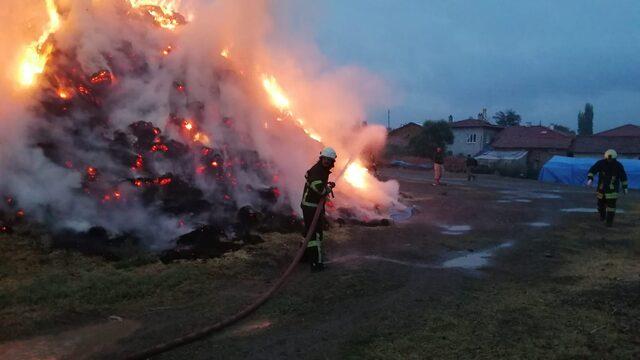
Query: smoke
point(151, 131)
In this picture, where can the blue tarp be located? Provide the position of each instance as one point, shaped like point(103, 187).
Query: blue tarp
point(573, 171)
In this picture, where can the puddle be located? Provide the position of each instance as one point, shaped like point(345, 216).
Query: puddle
point(539, 224)
point(520, 196)
point(403, 214)
point(504, 201)
point(522, 200)
point(587, 210)
point(475, 260)
point(454, 229)
point(468, 261)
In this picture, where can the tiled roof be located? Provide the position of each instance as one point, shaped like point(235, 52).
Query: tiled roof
point(624, 130)
point(473, 123)
point(600, 144)
point(531, 137)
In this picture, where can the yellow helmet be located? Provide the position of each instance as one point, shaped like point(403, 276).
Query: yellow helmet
point(610, 154)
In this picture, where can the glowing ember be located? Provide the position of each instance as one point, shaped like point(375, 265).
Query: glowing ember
point(202, 138)
point(101, 77)
point(92, 173)
point(65, 93)
point(139, 162)
point(187, 125)
point(356, 175)
point(225, 53)
point(37, 53)
point(167, 50)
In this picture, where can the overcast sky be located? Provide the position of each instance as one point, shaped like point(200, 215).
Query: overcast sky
point(543, 58)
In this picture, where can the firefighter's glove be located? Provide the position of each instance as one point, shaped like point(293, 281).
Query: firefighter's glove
point(589, 182)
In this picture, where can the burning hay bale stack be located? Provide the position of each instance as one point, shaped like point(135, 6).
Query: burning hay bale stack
point(144, 138)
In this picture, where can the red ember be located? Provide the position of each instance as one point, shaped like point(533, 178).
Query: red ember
point(101, 77)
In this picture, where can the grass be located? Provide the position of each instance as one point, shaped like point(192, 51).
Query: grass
point(583, 302)
point(43, 289)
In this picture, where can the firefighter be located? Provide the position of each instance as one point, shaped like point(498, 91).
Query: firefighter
point(611, 175)
point(316, 187)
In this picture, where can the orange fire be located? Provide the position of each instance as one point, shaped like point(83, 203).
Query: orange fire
point(37, 53)
point(356, 175)
point(280, 100)
point(164, 12)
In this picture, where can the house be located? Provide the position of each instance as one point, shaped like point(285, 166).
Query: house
point(624, 130)
point(540, 143)
point(594, 146)
point(401, 136)
point(624, 139)
point(472, 136)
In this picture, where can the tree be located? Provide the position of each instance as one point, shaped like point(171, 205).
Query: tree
point(507, 118)
point(585, 120)
point(434, 134)
point(563, 129)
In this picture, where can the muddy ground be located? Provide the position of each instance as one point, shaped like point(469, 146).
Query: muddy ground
point(497, 268)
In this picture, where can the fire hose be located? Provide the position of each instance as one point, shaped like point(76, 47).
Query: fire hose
point(208, 330)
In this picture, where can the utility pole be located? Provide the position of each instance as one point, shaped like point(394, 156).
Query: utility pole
point(389, 119)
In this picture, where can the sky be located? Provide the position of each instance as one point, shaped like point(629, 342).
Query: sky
point(545, 58)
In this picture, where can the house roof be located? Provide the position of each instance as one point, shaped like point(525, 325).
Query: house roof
point(624, 130)
point(531, 137)
point(597, 144)
point(402, 135)
point(467, 123)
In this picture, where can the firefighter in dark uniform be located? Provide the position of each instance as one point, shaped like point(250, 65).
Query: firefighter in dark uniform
point(611, 176)
point(316, 187)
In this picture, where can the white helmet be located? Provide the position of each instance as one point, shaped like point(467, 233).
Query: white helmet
point(610, 154)
point(329, 153)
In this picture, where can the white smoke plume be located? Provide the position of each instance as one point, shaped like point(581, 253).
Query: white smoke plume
point(151, 117)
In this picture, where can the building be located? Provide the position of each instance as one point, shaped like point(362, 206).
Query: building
point(624, 139)
point(540, 143)
point(594, 146)
point(472, 136)
point(401, 136)
point(622, 131)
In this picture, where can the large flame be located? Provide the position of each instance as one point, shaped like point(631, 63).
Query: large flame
point(356, 175)
point(281, 101)
point(37, 53)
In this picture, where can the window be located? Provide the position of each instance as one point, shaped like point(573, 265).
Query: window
point(472, 138)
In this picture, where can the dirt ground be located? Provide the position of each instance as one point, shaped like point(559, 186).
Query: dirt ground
point(496, 268)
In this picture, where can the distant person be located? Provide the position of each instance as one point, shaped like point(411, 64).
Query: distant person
point(611, 175)
point(438, 166)
point(317, 186)
point(470, 165)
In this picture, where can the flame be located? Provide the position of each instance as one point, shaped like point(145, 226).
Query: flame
point(225, 53)
point(65, 93)
point(164, 12)
point(280, 100)
point(37, 53)
point(188, 125)
point(356, 175)
point(277, 95)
